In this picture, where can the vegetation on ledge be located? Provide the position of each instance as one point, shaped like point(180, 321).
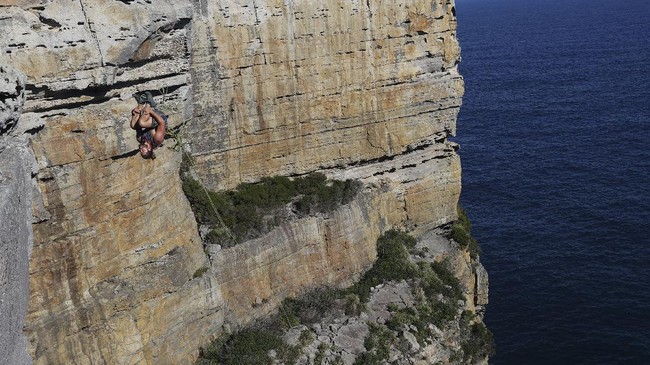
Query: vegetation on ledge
point(436, 292)
point(461, 230)
point(251, 347)
point(435, 288)
point(477, 341)
point(251, 210)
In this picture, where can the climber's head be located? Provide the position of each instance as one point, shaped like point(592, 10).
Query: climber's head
point(146, 149)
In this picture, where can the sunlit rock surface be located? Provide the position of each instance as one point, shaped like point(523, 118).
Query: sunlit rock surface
point(354, 89)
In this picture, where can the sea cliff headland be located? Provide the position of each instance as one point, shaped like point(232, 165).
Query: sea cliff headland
point(358, 90)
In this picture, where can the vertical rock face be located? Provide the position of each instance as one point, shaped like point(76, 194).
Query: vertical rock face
point(15, 240)
point(288, 87)
point(15, 222)
point(355, 89)
point(115, 243)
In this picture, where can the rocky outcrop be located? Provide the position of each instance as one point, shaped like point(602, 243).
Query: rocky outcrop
point(353, 89)
point(340, 337)
point(12, 92)
point(333, 249)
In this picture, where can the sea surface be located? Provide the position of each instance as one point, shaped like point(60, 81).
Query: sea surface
point(555, 147)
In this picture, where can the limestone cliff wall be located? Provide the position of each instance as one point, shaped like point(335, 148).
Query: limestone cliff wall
point(356, 89)
point(15, 220)
point(288, 87)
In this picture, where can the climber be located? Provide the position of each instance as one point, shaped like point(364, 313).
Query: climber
point(149, 123)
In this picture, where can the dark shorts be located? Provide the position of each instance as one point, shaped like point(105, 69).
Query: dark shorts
point(143, 135)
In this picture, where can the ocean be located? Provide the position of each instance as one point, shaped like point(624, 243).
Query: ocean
point(555, 146)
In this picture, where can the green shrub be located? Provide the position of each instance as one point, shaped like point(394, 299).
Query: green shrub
point(461, 232)
point(377, 344)
point(319, 196)
point(319, 358)
point(392, 263)
point(478, 343)
point(435, 279)
point(462, 218)
point(247, 347)
point(252, 209)
point(473, 248)
point(251, 347)
point(353, 305)
point(392, 307)
point(286, 317)
point(439, 312)
point(402, 318)
point(460, 235)
point(308, 308)
point(199, 272)
point(451, 282)
point(424, 312)
point(306, 337)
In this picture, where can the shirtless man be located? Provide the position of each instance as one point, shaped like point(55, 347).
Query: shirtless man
point(150, 129)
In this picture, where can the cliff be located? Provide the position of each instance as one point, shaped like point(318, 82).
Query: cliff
point(15, 220)
point(353, 89)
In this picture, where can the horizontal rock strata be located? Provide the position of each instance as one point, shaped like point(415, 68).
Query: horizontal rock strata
point(355, 89)
point(288, 87)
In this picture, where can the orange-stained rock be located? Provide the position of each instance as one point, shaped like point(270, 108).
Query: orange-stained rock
point(296, 86)
point(355, 89)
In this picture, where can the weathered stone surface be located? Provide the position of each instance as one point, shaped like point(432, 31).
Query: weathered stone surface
point(15, 220)
point(88, 51)
point(12, 98)
point(15, 247)
point(111, 270)
point(482, 285)
point(333, 249)
point(343, 336)
point(355, 89)
point(289, 87)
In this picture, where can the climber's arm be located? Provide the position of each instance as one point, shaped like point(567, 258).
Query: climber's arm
point(135, 114)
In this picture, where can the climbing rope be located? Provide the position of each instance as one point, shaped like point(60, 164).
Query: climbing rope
point(177, 136)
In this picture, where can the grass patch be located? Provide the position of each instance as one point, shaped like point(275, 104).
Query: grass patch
point(254, 209)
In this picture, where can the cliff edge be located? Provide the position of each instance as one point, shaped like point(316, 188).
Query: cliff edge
point(355, 90)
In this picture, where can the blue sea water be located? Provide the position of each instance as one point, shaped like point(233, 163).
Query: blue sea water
point(555, 146)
